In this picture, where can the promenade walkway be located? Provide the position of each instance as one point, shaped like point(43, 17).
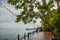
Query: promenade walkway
point(38, 36)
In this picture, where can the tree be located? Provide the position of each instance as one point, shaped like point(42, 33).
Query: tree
point(48, 15)
point(28, 6)
point(58, 5)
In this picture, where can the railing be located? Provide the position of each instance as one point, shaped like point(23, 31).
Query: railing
point(26, 37)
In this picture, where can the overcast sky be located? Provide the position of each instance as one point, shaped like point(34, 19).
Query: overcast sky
point(7, 19)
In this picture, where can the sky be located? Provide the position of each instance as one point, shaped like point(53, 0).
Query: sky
point(7, 19)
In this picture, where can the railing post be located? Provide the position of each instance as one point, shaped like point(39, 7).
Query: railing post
point(18, 37)
point(28, 35)
point(33, 32)
point(24, 36)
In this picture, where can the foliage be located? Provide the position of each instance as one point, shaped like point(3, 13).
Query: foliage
point(44, 26)
point(50, 17)
point(36, 29)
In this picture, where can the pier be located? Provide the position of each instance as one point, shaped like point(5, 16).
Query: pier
point(38, 36)
point(33, 36)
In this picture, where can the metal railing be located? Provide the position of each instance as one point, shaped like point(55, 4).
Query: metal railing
point(26, 37)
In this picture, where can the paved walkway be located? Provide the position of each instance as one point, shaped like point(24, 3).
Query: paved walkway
point(38, 36)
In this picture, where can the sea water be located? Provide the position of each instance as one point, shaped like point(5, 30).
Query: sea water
point(11, 33)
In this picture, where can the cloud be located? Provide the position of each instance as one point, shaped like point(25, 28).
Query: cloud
point(11, 25)
point(5, 16)
point(7, 19)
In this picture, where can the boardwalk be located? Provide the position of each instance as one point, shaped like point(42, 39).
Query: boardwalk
point(38, 36)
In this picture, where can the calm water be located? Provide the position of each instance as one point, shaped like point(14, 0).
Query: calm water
point(10, 32)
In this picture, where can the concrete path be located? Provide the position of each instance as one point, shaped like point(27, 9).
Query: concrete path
point(38, 36)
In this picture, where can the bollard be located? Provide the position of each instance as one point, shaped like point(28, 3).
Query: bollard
point(18, 37)
point(28, 35)
point(33, 32)
point(24, 36)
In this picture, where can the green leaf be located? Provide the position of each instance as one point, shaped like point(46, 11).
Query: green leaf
point(50, 4)
point(18, 6)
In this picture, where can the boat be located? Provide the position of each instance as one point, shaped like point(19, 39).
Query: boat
point(29, 28)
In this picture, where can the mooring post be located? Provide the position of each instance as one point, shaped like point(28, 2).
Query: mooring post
point(33, 32)
point(24, 36)
point(18, 37)
point(28, 35)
